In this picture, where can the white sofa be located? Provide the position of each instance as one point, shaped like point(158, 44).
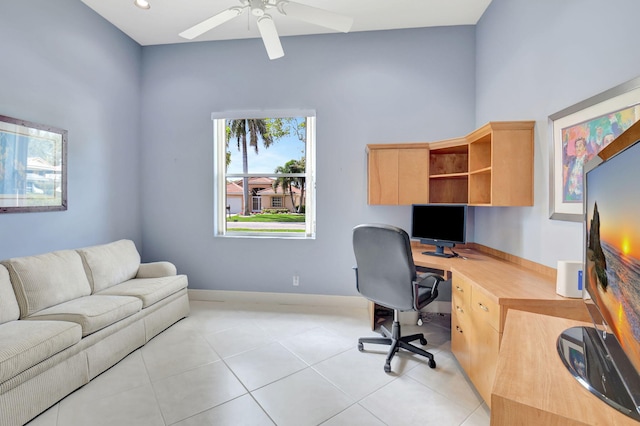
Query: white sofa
point(67, 316)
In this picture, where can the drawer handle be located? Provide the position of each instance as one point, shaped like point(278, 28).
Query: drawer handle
point(460, 289)
point(458, 329)
point(484, 308)
point(459, 309)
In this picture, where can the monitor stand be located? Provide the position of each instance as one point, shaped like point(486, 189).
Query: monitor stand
point(602, 367)
point(439, 252)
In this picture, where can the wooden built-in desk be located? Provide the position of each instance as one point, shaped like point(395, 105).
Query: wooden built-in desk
point(532, 385)
point(529, 287)
point(484, 288)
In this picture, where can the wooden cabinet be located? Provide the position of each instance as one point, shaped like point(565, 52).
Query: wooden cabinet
point(492, 166)
point(501, 164)
point(475, 336)
point(398, 174)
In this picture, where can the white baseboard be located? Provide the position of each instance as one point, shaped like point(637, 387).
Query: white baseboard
point(278, 298)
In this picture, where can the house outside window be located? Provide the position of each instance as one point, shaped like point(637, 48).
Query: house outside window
point(264, 160)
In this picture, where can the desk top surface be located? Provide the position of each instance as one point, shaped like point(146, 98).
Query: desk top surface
point(531, 380)
point(505, 282)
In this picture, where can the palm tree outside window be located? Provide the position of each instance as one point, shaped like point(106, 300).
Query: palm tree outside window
point(264, 168)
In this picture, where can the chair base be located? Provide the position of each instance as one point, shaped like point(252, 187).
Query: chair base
point(396, 342)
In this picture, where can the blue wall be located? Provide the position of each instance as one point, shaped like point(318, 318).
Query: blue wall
point(375, 87)
point(64, 66)
point(535, 58)
point(140, 134)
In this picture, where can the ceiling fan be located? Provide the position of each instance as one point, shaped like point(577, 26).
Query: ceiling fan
point(268, 32)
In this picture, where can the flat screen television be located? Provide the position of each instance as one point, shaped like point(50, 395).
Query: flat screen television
point(440, 225)
point(605, 358)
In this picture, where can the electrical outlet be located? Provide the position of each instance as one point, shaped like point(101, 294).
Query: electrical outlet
point(296, 280)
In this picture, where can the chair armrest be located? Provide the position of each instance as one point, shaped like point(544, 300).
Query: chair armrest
point(423, 280)
point(156, 270)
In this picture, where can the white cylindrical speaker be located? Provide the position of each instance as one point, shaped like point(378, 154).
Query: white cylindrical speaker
point(569, 278)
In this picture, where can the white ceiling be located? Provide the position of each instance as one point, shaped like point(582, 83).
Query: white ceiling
point(166, 18)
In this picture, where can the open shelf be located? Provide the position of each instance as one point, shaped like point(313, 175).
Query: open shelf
point(480, 188)
point(450, 160)
point(449, 190)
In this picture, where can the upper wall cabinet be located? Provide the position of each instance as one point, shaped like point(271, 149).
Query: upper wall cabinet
point(492, 166)
point(501, 164)
point(398, 174)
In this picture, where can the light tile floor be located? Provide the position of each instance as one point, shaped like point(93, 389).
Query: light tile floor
point(255, 364)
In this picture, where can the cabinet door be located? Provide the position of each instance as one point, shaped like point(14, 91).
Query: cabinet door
point(383, 176)
point(485, 344)
point(460, 333)
point(413, 176)
point(398, 176)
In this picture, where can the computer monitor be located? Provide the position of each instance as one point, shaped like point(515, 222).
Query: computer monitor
point(440, 225)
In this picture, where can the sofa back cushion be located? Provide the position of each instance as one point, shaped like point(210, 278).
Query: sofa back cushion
point(110, 264)
point(46, 280)
point(9, 309)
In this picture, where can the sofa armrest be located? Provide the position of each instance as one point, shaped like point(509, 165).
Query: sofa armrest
point(156, 270)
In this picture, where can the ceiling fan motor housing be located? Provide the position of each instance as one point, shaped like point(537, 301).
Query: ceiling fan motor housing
point(257, 7)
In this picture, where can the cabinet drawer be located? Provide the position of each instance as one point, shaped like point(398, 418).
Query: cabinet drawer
point(460, 291)
point(487, 310)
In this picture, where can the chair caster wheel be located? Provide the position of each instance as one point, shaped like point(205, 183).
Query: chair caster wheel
point(432, 363)
point(387, 368)
point(423, 341)
point(360, 347)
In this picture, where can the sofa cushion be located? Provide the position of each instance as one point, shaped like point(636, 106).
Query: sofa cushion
point(27, 343)
point(110, 264)
point(93, 313)
point(9, 309)
point(46, 280)
point(149, 290)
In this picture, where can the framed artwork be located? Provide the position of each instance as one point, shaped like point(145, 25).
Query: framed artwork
point(580, 132)
point(33, 167)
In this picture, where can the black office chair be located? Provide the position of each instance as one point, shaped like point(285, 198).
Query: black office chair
point(386, 275)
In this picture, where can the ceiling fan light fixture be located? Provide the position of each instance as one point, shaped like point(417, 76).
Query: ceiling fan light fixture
point(142, 4)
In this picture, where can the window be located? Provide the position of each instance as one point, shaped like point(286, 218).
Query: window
point(264, 161)
point(276, 202)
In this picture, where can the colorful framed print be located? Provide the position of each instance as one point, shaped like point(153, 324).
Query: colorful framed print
point(580, 132)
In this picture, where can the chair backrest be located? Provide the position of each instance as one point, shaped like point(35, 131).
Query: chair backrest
point(385, 270)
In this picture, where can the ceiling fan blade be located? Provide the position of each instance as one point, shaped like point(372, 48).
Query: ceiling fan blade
point(270, 37)
point(211, 23)
point(313, 15)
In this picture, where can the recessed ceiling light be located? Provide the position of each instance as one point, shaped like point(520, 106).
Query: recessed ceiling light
point(142, 4)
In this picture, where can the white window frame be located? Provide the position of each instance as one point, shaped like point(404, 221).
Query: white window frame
point(220, 175)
